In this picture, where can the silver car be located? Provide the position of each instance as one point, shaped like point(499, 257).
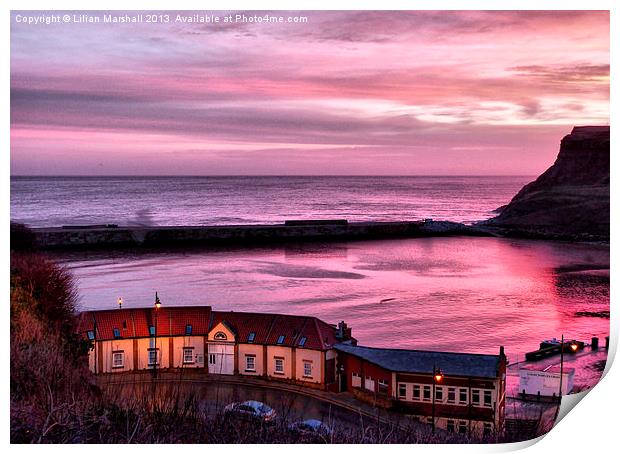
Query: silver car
point(309, 426)
point(251, 409)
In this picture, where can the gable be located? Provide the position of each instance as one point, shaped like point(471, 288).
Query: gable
point(222, 332)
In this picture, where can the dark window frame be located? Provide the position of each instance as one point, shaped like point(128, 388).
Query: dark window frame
point(427, 393)
point(402, 391)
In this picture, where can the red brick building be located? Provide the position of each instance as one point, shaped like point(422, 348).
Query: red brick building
point(470, 391)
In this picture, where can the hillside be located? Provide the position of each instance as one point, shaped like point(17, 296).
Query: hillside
point(568, 201)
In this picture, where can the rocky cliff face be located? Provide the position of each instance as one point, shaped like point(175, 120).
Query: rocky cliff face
point(571, 199)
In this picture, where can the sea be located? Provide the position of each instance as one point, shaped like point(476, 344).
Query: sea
point(450, 294)
point(56, 201)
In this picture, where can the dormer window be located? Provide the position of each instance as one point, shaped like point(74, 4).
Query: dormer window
point(280, 340)
point(117, 333)
point(220, 336)
point(188, 330)
point(302, 341)
point(91, 335)
point(251, 337)
point(152, 330)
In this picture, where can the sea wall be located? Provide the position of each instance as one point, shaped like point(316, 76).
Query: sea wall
point(148, 237)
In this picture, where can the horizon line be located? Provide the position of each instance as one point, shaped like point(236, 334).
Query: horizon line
point(270, 176)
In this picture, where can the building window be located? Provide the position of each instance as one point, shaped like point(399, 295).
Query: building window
point(117, 333)
point(427, 393)
point(153, 360)
point(188, 330)
point(487, 399)
point(438, 393)
point(383, 386)
point(251, 337)
point(279, 366)
point(118, 360)
point(307, 369)
point(151, 330)
point(487, 429)
point(402, 391)
point(462, 427)
point(220, 336)
point(188, 355)
point(91, 335)
point(475, 397)
point(450, 425)
point(211, 358)
point(463, 396)
point(124, 324)
point(416, 392)
point(451, 395)
point(280, 340)
point(356, 380)
point(302, 341)
point(250, 363)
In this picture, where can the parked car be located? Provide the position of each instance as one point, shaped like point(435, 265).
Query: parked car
point(251, 409)
point(311, 426)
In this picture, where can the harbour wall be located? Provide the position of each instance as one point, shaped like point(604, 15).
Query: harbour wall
point(117, 237)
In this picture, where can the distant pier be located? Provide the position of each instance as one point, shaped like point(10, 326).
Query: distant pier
point(111, 236)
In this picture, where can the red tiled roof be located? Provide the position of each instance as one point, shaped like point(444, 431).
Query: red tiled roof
point(269, 327)
point(132, 323)
point(288, 326)
point(171, 321)
point(245, 323)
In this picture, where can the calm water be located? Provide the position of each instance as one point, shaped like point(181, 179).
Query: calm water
point(463, 294)
point(248, 200)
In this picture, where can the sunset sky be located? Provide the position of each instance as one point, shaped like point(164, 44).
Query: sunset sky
point(379, 93)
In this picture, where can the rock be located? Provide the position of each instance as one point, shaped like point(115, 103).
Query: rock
point(568, 201)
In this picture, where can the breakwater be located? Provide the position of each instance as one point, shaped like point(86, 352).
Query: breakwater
point(111, 236)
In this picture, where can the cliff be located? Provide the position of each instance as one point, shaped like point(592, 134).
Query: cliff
point(568, 201)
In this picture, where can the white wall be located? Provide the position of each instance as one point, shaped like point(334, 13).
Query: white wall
point(251, 349)
point(283, 352)
point(315, 358)
point(179, 343)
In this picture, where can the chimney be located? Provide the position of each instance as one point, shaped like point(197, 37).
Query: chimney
point(501, 350)
point(344, 332)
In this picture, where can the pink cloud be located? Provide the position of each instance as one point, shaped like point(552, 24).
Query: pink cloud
point(380, 82)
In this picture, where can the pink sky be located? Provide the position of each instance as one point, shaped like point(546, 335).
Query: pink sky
point(379, 93)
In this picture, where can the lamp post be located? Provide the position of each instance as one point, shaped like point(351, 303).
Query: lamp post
point(157, 306)
point(561, 369)
point(340, 372)
point(120, 302)
point(437, 377)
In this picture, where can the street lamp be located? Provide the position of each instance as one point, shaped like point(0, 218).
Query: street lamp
point(574, 346)
point(120, 302)
point(437, 378)
point(157, 306)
